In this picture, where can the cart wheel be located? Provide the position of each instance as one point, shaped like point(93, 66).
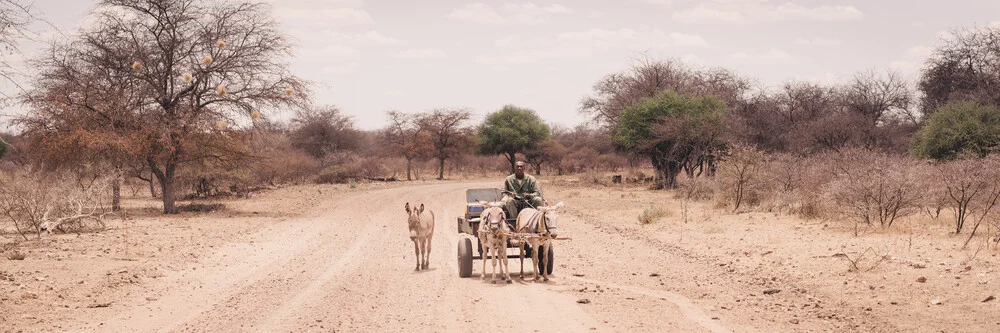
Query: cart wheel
point(464, 258)
point(542, 249)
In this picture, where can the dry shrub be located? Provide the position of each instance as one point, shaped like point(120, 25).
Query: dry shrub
point(741, 178)
point(291, 165)
point(972, 188)
point(336, 174)
point(368, 167)
point(873, 188)
point(201, 207)
point(697, 189)
point(796, 185)
point(652, 214)
point(16, 256)
point(594, 177)
point(33, 200)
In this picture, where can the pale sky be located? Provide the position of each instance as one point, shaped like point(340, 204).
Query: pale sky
point(367, 57)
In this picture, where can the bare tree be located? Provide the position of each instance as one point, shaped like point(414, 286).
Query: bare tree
point(874, 96)
point(165, 76)
point(406, 137)
point(15, 18)
point(965, 66)
point(647, 77)
point(449, 134)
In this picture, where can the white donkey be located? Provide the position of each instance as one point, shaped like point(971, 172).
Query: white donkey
point(542, 223)
point(421, 232)
point(493, 231)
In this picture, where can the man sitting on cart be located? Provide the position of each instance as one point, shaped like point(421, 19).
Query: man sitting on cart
point(524, 187)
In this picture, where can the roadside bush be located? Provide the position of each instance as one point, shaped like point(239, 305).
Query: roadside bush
point(33, 200)
point(697, 189)
point(651, 214)
point(293, 165)
point(335, 174)
point(874, 188)
point(973, 189)
point(741, 178)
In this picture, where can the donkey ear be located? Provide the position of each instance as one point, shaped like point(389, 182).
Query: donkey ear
point(407, 207)
point(421, 209)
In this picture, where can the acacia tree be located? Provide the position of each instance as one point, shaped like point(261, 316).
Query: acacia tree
point(448, 132)
point(322, 131)
point(510, 131)
point(959, 128)
point(671, 130)
point(616, 92)
point(550, 151)
point(166, 76)
point(406, 137)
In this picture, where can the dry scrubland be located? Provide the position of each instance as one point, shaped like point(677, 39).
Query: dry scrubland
point(769, 265)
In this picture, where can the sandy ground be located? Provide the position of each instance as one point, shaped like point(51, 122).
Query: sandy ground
point(332, 258)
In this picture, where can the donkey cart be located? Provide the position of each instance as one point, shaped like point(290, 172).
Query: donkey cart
point(476, 200)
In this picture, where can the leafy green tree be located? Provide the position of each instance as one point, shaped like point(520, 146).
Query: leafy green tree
point(958, 128)
point(671, 130)
point(510, 131)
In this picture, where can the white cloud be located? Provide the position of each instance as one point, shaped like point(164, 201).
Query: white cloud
point(342, 69)
point(794, 12)
point(693, 60)
point(819, 42)
point(520, 57)
point(910, 62)
point(477, 12)
point(508, 41)
point(370, 38)
point(729, 11)
point(636, 39)
point(516, 50)
point(511, 13)
point(341, 51)
point(688, 40)
point(769, 57)
point(422, 53)
point(702, 14)
point(325, 17)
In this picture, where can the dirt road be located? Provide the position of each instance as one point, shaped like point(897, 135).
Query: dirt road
point(348, 266)
point(323, 258)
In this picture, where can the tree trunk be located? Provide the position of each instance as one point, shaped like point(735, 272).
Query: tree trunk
point(441, 169)
point(152, 187)
point(409, 163)
point(169, 204)
point(666, 173)
point(116, 195)
point(166, 178)
point(673, 169)
point(511, 157)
